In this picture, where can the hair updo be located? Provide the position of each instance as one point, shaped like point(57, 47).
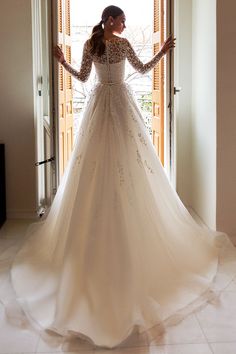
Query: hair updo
point(97, 45)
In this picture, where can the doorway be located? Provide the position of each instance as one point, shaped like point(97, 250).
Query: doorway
point(154, 92)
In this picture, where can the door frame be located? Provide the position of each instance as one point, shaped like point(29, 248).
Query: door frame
point(169, 110)
point(163, 89)
point(38, 110)
point(170, 127)
point(43, 102)
point(55, 89)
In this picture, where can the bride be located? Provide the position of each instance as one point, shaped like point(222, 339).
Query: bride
point(118, 251)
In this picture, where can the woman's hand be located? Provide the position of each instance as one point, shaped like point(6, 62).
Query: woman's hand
point(168, 44)
point(58, 54)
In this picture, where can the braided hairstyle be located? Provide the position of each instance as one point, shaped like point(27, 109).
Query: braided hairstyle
point(97, 45)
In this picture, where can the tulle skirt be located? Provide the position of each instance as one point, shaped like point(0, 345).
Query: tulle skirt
point(118, 252)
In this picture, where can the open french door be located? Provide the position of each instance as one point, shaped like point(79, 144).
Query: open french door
point(162, 90)
point(65, 112)
point(158, 81)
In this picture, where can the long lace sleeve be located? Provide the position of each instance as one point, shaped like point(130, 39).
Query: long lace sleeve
point(85, 68)
point(136, 62)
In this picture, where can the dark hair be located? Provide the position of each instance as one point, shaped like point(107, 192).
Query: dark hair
point(97, 45)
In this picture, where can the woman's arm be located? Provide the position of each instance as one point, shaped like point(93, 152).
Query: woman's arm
point(86, 63)
point(143, 68)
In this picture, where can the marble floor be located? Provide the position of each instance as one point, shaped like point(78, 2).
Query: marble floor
point(209, 331)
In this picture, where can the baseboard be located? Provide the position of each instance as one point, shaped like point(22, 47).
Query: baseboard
point(196, 217)
point(233, 239)
point(201, 222)
point(21, 214)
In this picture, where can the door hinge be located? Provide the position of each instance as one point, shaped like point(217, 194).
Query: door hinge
point(41, 211)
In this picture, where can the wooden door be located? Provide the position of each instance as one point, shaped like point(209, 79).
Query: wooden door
point(158, 81)
point(65, 87)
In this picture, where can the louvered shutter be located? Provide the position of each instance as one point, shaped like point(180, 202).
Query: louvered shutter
point(65, 87)
point(158, 81)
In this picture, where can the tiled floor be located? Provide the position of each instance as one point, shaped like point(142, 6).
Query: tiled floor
point(209, 331)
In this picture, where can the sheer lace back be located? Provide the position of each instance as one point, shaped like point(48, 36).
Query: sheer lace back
point(110, 67)
point(114, 53)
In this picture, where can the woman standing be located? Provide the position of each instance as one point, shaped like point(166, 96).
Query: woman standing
point(118, 251)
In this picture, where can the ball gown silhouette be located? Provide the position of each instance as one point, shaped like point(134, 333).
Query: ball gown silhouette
point(118, 252)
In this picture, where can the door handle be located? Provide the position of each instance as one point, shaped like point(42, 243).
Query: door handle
point(177, 89)
point(45, 161)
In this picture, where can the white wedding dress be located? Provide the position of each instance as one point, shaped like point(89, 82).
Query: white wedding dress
point(118, 250)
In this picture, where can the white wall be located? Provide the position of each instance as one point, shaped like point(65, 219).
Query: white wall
point(16, 106)
point(203, 132)
point(195, 73)
point(226, 116)
point(209, 118)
